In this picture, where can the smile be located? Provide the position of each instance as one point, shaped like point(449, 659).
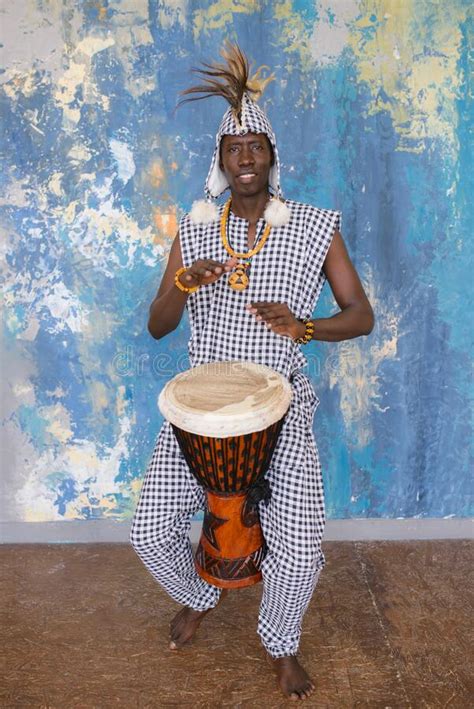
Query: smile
point(247, 178)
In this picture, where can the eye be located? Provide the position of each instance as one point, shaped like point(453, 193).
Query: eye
point(258, 147)
point(233, 148)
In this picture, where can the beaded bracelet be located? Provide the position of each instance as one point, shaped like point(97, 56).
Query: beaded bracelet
point(178, 283)
point(308, 335)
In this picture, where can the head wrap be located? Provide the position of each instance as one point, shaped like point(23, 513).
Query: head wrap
point(233, 82)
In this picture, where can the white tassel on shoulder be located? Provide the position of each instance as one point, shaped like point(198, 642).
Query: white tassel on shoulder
point(203, 212)
point(277, 213)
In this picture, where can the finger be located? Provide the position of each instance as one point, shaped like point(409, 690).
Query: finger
point(190, 276)
point(269, 307)
point(202, 271)
point(198, 273)
point(268, 312)
point(218, 268)
point(214, 266)
point(264, 304)
point(209, 263)
point(276, 319)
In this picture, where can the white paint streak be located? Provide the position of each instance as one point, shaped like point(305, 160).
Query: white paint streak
point(15, 194)
point(91, 45)
point(79, 154)
point(31, 330)
point(93, 470)
point(30, 34)
point(353, 368)
point(332, 29)
point(172, 11)
point(59, 422)
point(95, 233)
point(54, 184)
point(124, 158)
point(64, 307)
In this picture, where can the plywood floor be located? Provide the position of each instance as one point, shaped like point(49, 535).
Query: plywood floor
point(389, 626)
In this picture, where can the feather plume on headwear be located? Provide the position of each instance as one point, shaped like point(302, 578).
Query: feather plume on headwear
point(231, 80)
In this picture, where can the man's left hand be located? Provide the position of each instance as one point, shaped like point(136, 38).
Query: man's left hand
point(278, 318)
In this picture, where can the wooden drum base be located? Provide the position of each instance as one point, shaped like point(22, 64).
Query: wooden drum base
point(232, 547)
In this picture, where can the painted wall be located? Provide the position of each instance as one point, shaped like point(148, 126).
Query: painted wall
point(372, 116)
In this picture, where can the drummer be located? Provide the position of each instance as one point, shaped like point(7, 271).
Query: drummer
point(250, 272)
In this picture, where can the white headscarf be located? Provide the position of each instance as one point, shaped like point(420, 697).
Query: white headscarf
point(253, 120)
point(234, 82)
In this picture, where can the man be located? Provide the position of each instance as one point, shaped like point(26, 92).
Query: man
point(250, 273)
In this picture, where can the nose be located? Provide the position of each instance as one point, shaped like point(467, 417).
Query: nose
point(245, 156)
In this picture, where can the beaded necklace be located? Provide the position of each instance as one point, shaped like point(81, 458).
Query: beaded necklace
point(239, 278)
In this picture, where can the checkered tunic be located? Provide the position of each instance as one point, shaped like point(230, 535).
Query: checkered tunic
point(288, 269)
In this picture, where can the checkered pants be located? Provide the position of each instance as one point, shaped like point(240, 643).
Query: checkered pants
point(292, 524)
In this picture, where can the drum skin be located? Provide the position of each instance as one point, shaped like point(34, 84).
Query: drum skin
point(232, 546)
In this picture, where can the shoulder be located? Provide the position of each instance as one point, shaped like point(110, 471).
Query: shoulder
point(315, 217)
point(189, 225)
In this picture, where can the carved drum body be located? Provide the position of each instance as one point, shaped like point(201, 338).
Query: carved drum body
point(227, 417)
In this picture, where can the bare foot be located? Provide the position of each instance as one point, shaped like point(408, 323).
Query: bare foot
point(185, 623)
point(292, 678)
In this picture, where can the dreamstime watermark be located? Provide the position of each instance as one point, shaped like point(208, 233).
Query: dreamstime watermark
point(128, 362)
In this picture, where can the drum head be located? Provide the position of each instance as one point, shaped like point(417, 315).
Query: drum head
point(222, 399)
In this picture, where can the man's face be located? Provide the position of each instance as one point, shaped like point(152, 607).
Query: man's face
point(246, 161)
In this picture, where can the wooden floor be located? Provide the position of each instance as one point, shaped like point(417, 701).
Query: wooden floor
point(389, 626)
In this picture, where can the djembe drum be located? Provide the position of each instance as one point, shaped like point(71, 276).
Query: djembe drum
point(227, 417)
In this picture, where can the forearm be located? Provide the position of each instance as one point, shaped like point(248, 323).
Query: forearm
point(353, 321)
point(166, 312)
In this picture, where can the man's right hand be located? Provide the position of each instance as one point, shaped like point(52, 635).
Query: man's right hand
point(205, 271)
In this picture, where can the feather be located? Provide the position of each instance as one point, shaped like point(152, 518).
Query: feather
point(277, 213)
point(203, 212)
point(230, 80)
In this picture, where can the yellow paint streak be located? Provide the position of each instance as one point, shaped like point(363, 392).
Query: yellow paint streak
point(37, 515)
point(61, 434)
point(293, 34)
point(219, 15)
point(100, 398)
point(155, 173)
point(74, 508)
point(59, 420)
point(54, 184)
point(69, 214)
point(107, 504)
point(25, 83)
point(418, 89)
point(136, 485)
point(120, 401)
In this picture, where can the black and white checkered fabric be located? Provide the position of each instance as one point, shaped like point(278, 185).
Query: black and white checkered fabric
point(289, 270)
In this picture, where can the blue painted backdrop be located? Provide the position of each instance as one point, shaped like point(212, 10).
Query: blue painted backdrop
point(371, 111)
